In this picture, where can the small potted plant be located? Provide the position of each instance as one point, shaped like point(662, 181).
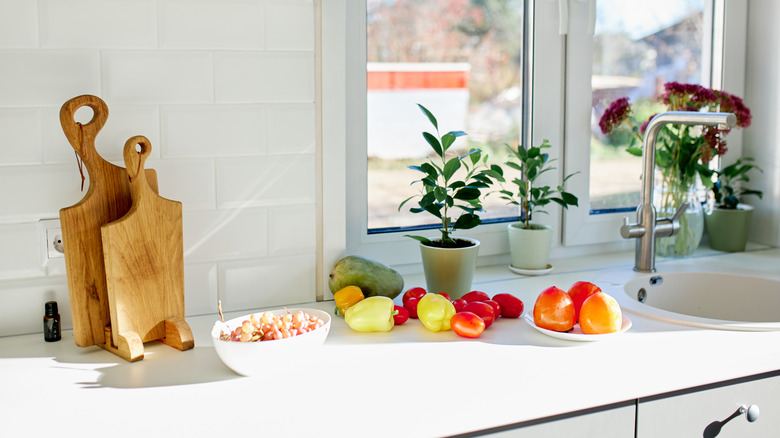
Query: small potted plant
point(728, 221)
point(455, 199)
point(529, 242)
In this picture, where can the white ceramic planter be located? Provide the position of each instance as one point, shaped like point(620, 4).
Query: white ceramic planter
point(529, 248)
point(449, 270)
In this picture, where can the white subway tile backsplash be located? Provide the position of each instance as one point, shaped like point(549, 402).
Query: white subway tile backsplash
point(292, 229)
point(225, 234)
point(188, 181)
point(153, 77)
point(264, 76)
point(38, 191)
point(23, 305)
point(18, 24)
point(47, 77)
point(21, 141)
point(262, 181)
point(20, 256)
point(280, 281)
point(98, 23)
point(291, 129)
point(289, 25)
point(200, 288)
point(224, 90)
point(214, 130)
point(227, 24)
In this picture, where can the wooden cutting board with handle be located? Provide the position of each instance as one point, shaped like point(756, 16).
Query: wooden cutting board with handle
point(144, 259)
point(107, 199)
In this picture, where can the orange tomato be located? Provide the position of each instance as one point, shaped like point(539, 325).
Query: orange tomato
point(600, 313)
point(579, 292)
point(554, 310)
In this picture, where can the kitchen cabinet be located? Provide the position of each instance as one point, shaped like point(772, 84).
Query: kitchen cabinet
point(692, 413)
point(616, 422)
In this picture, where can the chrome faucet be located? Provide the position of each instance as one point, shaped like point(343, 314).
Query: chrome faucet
point(648, 226)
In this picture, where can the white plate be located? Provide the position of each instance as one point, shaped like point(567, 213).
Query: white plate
point(531, 271)
point(576, 333)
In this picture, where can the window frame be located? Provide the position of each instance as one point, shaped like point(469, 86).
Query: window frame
point(342, 209)
point(583, 228)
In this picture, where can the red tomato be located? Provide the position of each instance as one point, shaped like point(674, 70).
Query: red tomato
point(579, 292)
point(554, 310)
point(475, 295)
point(467, 324)
point(496, 308)
point(459, 303)
point(411, 306)
point(445, 295)
point(511, 306)
point(401, 316)
point(483, 310)
point(415, 292)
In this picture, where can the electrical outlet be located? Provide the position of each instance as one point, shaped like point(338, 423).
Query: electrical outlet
point(51, 246)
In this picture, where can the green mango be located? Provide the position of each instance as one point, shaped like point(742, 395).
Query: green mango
point(372, 277)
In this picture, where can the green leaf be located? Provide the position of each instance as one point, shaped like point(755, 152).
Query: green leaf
point(440, 193)
point(430, 116)
point(405, 201)
point(457, 184)
point(450, 168)
point(434, 142)
point(569, 199)
point(467, 221)
point(635, 151)
point(418, 238)
point(467, 193)
point(447, 140)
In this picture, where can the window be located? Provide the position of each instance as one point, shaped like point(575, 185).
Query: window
point(635, 47)
point(562, 112)
point(460, 59)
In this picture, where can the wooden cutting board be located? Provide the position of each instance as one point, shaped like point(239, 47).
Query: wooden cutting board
point(107, 199)
point(144, 259)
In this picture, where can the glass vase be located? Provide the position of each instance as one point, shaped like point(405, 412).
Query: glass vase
point(667, 199)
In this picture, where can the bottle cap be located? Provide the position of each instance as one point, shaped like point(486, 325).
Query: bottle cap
point(51, 308)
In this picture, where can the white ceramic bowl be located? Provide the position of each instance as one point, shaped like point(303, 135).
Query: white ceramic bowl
point(249, 358)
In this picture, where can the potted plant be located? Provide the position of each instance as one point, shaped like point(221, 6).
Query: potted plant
point(450, 190)
point(728, 221)
point(683, 153)
point(529, 242)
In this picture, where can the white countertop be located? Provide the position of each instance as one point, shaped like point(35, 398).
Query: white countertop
point(408, 382)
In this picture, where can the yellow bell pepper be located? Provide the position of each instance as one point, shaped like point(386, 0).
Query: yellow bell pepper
point(435, 312)
point(347, 297)
point(373, 314)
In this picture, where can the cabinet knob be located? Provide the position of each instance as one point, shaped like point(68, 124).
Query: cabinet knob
point(751, 412)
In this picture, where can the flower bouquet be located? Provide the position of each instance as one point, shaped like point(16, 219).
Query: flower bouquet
point(683, 153)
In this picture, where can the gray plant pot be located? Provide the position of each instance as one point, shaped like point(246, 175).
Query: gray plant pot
point(529, 248)
point(728, 229)
point(449, 270)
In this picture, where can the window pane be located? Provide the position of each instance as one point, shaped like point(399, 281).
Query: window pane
point(462, 60)
point(638, 46)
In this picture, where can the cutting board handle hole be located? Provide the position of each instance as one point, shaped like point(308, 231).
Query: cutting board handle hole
point(84, 115)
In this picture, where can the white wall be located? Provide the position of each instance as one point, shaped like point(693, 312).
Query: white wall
point(224, 89)
point(762, 95)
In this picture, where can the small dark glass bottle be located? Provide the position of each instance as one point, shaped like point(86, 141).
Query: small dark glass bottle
point(51, 322)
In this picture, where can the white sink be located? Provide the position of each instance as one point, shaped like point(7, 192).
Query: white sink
point(701, 298)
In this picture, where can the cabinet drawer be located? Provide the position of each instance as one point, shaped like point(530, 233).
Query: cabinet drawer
point(691, 414)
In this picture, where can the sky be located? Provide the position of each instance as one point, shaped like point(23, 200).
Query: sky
point(639, 18)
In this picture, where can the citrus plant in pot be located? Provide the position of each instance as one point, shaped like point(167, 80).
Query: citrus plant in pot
point(529, 242)
point(451, 190)
point(728, 221)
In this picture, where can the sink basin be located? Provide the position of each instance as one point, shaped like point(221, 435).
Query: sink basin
point(718, 300)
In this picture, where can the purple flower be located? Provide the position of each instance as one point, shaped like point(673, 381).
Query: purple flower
point(616, 114)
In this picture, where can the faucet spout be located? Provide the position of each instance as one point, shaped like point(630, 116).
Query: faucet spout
point(648, 226)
